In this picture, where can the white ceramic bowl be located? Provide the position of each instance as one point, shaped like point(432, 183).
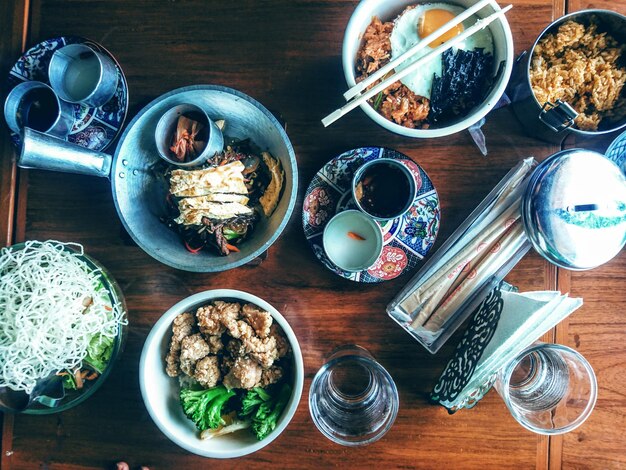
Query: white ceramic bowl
point(160, 392)
point(387, 10)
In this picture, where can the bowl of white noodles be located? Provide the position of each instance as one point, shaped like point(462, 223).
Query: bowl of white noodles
point(62, 317)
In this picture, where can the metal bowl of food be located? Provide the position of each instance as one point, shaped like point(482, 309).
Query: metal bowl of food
point(552, 96)
point(425, 106)
point(221, 373)
point(205, 219)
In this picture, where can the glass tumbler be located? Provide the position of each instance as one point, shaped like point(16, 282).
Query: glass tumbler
point(353, 400)
point(548, 388)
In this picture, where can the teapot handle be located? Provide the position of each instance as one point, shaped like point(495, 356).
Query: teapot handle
point(44, 152)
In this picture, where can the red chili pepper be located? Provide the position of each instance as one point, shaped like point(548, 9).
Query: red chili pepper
point(192, 250)
point(355, 236)
point(232, 248)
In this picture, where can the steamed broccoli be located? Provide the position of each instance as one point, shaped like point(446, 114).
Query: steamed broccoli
point(268, 412)
point(252, 400)
point(204, 407)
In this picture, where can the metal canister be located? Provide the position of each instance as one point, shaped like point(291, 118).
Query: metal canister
point(574, 209)
point(548, 121)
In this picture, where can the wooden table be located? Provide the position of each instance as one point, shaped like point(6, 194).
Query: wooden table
point(286, 53)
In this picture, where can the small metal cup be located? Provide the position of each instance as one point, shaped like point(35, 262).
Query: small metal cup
point(166, 127)
point(78, 74)
point(405, 172)
point(57, 118)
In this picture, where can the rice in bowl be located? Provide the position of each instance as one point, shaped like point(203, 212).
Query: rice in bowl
point(582, 67)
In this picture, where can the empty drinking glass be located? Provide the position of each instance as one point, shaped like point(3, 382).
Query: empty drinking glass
point(548, 388)
point(353, 399)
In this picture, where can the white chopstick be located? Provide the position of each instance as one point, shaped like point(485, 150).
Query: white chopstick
point(356, 89)
point(398, 75)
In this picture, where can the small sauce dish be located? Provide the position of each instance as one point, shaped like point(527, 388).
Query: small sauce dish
point(206, 138)
point(35, 105)
point(352, 240)
point(78, 74)
point(384, 188)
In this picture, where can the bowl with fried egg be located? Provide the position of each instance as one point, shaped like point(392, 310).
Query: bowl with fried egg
point(448, 93)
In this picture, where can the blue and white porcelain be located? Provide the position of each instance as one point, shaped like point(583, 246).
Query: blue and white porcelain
point(93, 128)
point(406, 239)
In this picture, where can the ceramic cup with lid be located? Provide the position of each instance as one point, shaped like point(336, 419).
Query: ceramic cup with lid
point(574, 209)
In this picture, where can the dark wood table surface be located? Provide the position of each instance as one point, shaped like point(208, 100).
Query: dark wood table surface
point(286, 54)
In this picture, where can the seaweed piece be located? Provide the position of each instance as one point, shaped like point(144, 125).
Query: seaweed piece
point(464, 82)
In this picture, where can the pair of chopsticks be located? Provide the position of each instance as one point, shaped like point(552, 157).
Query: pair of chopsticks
point(356, 95)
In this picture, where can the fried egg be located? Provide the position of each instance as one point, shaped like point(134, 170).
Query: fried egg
point(417, 23)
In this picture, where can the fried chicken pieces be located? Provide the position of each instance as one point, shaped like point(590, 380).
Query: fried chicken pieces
point(227, 342)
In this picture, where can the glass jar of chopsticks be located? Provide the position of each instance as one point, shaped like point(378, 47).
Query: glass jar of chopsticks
point(571, 208)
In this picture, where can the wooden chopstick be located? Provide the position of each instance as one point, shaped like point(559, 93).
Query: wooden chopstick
point(380, 73)
point(398, 75)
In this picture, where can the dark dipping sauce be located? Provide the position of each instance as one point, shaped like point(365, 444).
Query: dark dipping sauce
point(383, 190)
point(38, 109)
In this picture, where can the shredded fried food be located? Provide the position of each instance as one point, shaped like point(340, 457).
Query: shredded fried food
point(376, 49)
point(396, 103)
point(580, 66)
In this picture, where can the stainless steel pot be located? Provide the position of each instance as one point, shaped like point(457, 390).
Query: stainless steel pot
point(552, 122)
point(574, 209)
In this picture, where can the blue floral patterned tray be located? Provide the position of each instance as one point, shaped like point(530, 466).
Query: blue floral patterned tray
point(406, 239)
point(94, 128)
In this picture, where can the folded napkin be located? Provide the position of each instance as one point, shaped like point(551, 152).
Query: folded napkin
point(503, 325)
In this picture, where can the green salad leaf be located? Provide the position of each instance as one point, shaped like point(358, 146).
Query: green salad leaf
point(69, 382)
point(99, 352)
